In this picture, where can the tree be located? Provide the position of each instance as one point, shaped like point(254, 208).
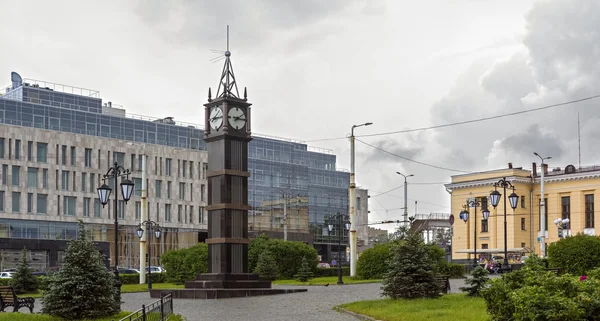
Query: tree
point(23, 280)
point(373, 263)
point(83, 287)
point(575, 254)
point(267, 266)
point(411, 273)
point(304, 273)
point(184, 264)
point(477, 282)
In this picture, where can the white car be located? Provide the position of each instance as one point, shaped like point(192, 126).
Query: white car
point(6, 275)
point(156, 269)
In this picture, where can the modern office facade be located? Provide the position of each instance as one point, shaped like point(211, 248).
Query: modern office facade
point(56, 142)
point(569, 192)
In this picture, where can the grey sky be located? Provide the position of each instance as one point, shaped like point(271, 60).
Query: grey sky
point(314, 68)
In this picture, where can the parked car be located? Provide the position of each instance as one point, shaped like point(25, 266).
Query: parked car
point(323, 265)
point(128, 271)
point(155, 269)
point(6, 275)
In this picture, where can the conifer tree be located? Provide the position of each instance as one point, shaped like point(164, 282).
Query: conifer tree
point(267, 266)
point(477, 282)
point(23, 280)
point(83, 287)
point(411, 273)
point(304, 273)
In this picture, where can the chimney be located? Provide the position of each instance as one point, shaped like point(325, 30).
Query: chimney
point(545, 169)
point(509, 165)
point(534, 169)
point(110, 104)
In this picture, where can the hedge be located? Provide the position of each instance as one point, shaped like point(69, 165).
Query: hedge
point(332, 271)
point(288, 255)
point(184, 264)
point(135, 278)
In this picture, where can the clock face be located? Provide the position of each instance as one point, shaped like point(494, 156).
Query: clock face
point(216, 117)
point(237, 118)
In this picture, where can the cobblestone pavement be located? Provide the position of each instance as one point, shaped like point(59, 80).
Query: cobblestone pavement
point(316, 304)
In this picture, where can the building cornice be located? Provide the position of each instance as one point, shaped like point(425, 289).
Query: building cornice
point(568, 177)
point(487, 182)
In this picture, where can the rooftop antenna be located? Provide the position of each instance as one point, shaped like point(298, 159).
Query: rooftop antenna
point(227, 84)
point(579, 139)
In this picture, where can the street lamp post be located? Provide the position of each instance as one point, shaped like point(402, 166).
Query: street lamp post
point(104, 192)
point(406, 197)
point(149, 226)
point(543, 222)
point(464, 215)
point(352, 196)
point(495, 199)
point(342, 224)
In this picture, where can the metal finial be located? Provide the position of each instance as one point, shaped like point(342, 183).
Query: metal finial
point(245, 94)
point(209, 95)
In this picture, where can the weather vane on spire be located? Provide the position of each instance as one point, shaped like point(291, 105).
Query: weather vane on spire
point(227, 84)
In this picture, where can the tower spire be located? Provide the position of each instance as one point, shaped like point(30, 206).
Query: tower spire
point(227, 84)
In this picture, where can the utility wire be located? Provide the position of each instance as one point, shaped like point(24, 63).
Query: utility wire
point(388, 191)
point(414, 161)
point(466, 121)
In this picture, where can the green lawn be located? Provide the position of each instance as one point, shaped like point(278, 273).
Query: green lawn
point(450, 307)
point(332, 280)
point(126, 288)
point(41, 317)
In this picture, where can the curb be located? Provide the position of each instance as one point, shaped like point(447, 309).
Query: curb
point(356, 315)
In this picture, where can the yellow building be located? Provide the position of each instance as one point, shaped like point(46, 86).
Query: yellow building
point(569, 192)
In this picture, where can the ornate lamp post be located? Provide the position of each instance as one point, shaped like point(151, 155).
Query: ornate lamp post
point(104, 194)
point(495, 199)
point(464, 215)
point(562, 224)
point(150, 226)
point(342, 224)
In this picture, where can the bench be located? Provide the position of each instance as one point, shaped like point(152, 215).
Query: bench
point(444, 282)
point(8, 298)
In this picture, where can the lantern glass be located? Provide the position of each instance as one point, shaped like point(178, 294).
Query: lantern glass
point(495, 198)
point(330, 227)
point(140, 232)
point(514, 200)
point(157, 233)
point(104, 193)
point(486, 213)
point(127, 189)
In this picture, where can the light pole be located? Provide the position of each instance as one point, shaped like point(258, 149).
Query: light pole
point(464, 215)
point(406, 197)
point(352, 195)
point(149, 226)
point(495, 199)
point(143, 209)
point(543, 222)
point(104, 193)
point(562, 224)
point(342, 224)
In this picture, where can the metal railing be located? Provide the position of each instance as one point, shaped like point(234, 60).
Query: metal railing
point(159, 310)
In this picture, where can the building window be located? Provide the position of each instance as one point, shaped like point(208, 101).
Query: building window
point(83, 182)
point(92, 182)
point(16, 202)
point(32, 177)
point(168, 167)
point(1, 147)
point(137, 189)
point(1, 201)
point(191, 169)
point(169, 189)
point(181, 191)
point(545, 214)
point(522, 201)
point(140, 160)
point(357, 204)
point(69, 204)
point(4, 174)
point(484, 225)
point(191, 213)
point(202, 192)
point(17, 149)
point(522, 244)
point(121, 209)
point(179, 212)
point(29, 151)
point(16, 175)
point(138, 210)
point(484, 246)
point(589, 211)
point(64, 155)
point(86, 206)
point(42, 152)
point(201, 215)
point(133, 163)
point(191, 192)
point(184, 168)
point(65, 181)
point(157, 186)
point(523, 224)
point(88, 158)
point(29, 202)
point(167, 212)
point(97, 207)
point(565, 202)
point(204, 170)
point(119, 158)
point(42, 203)
point(73, 155)
point(44, 178)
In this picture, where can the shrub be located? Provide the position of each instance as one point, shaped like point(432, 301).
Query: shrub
point(257, 246)
point(266, 267)
point(576, 254)
point(135, 278)
point(412, 271)
point(287, 254)
point(23, 281)
point(83, 287)
point(184, 264)
point(453, 270)
point(304, 273)
point(43, 282)
point(477, 282)
point(373, 263)
point(332, 271)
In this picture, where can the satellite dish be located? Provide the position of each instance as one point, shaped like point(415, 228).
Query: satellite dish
point(16, 79)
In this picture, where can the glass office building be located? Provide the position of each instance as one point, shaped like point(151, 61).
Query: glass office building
point(282, 171)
